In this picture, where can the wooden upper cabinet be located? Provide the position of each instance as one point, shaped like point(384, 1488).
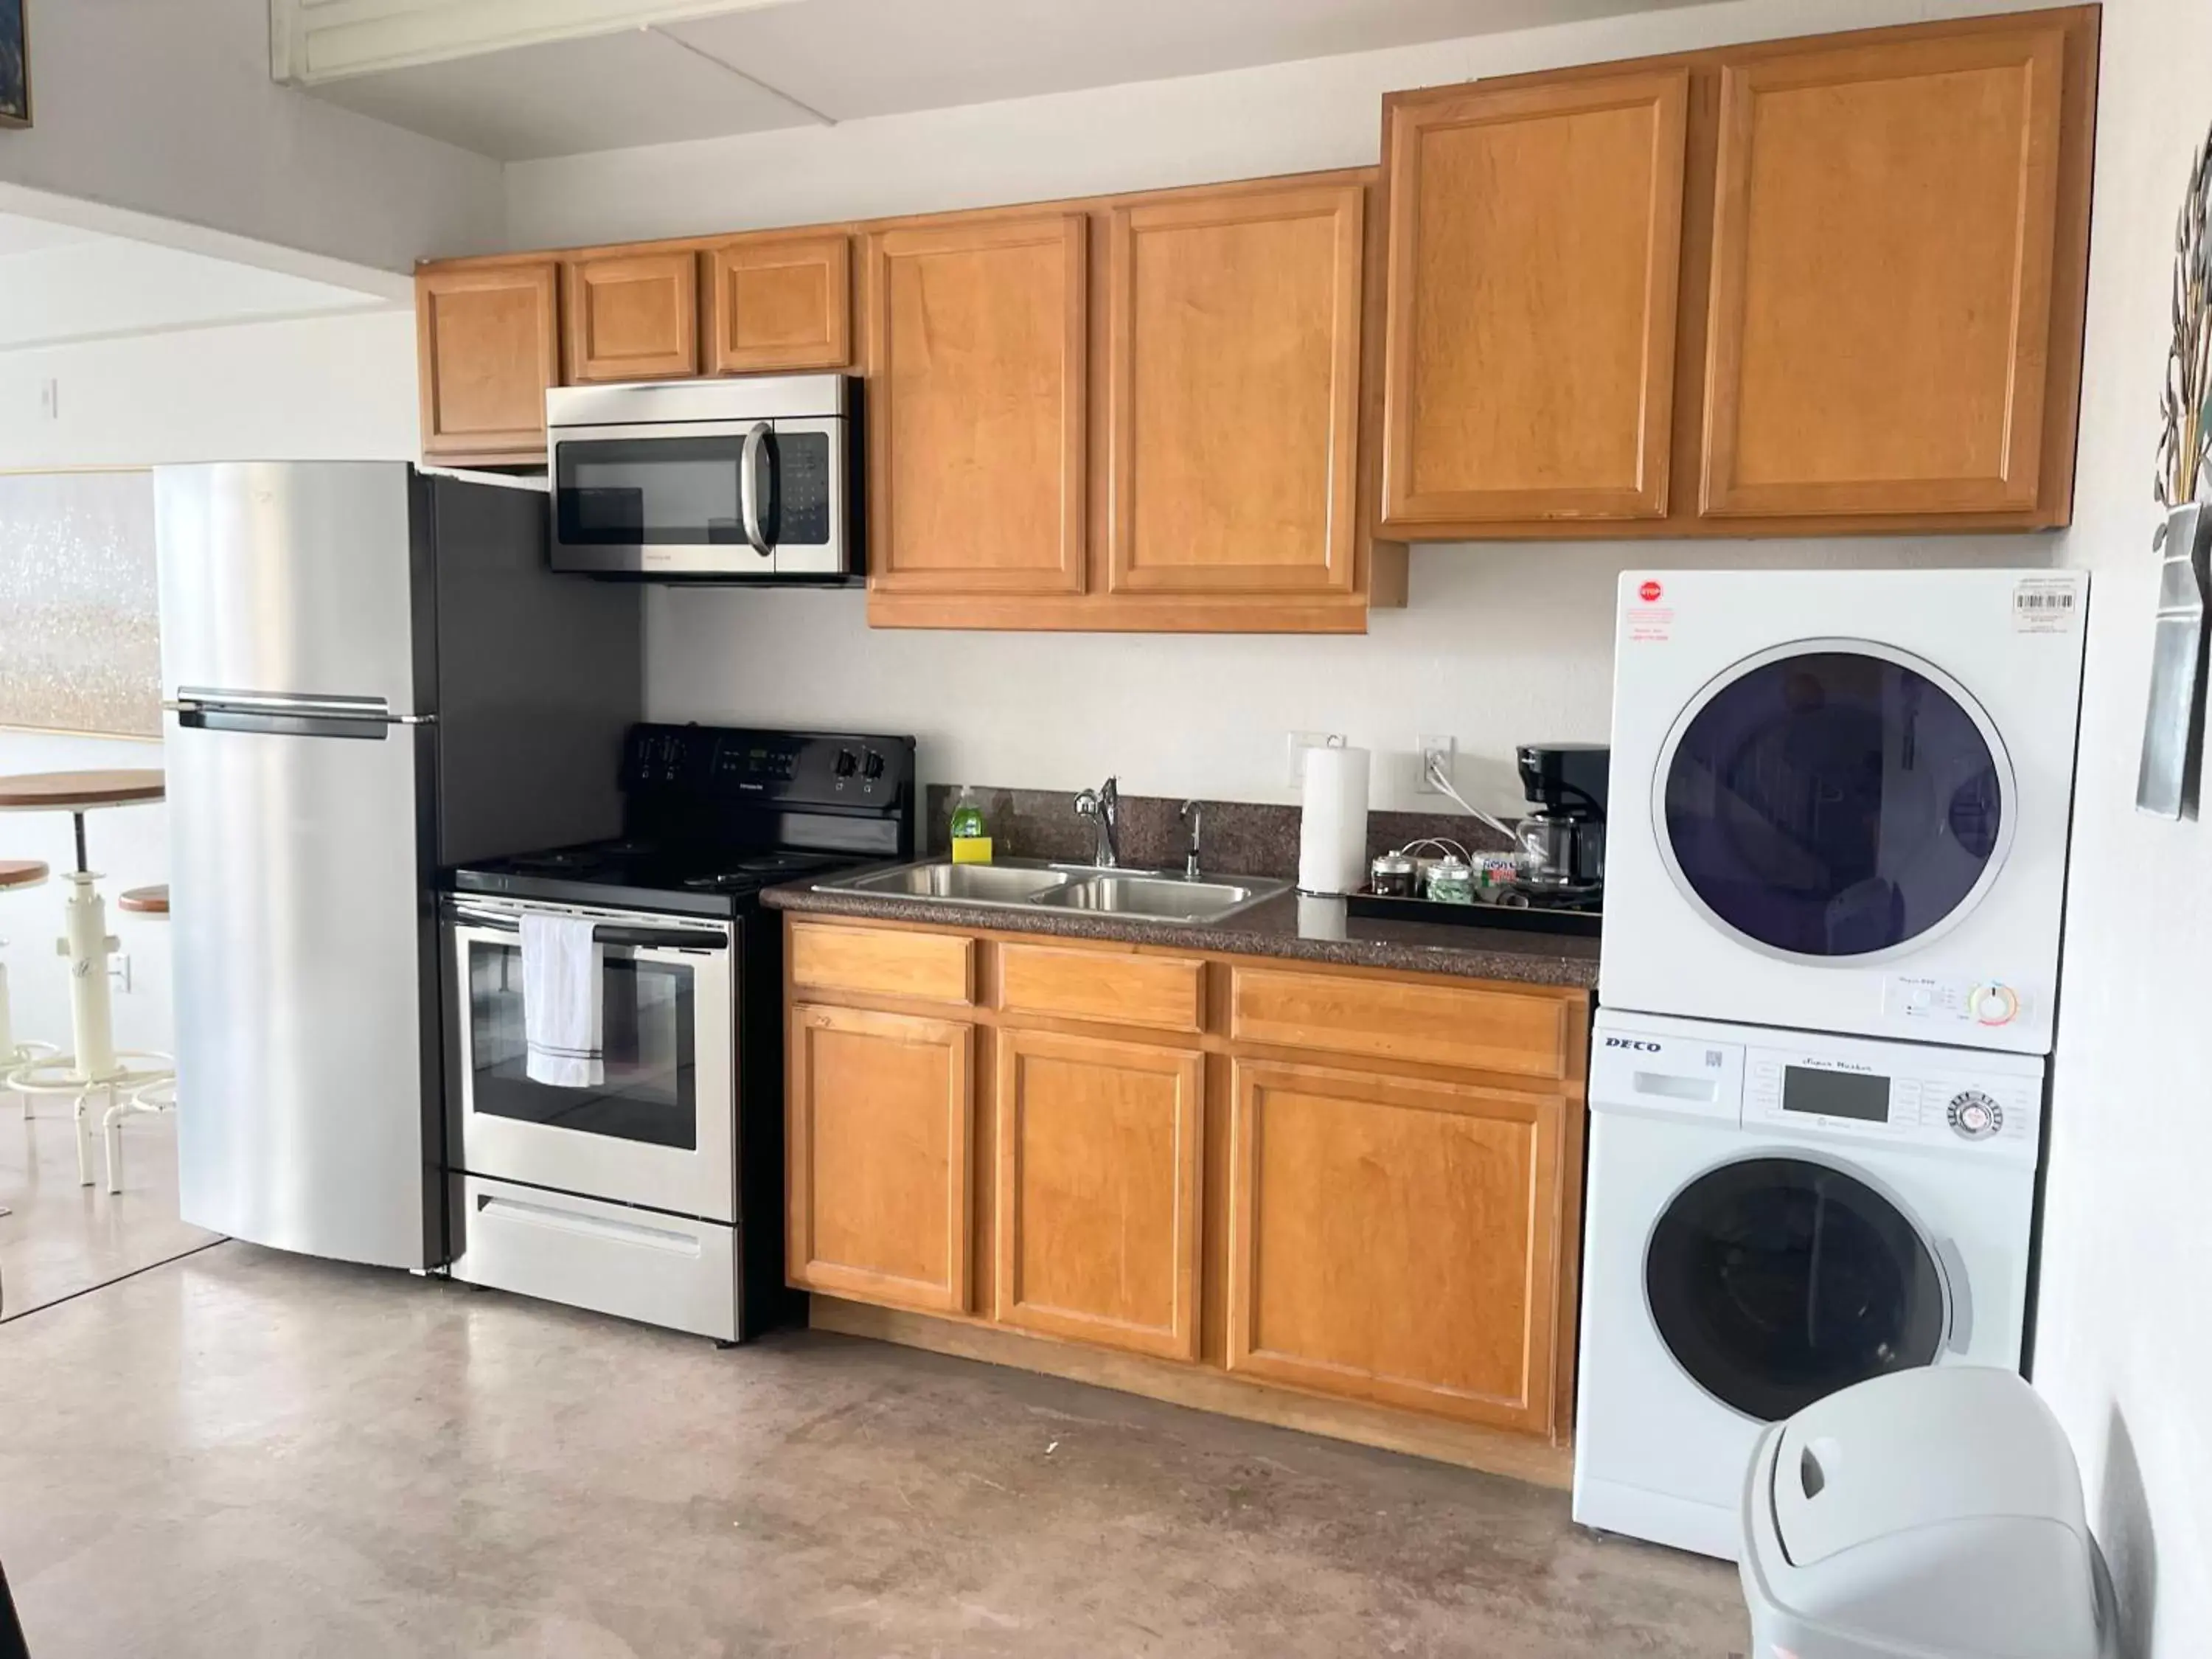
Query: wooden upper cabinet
point(1883, 234)
point(879, 1129)
point(1396, 1241)
point(977, 405)
point(632, 316)
point(1097, 1226)
point(779, 302)
point(1234, 363)
point(1534, 254)
point(488, 346)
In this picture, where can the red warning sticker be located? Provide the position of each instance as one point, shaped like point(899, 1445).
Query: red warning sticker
point(1650, 592)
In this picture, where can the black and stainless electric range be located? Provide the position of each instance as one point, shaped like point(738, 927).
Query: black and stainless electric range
point(656, 1194)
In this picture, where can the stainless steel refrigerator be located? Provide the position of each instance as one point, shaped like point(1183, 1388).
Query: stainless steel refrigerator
point(370, 674)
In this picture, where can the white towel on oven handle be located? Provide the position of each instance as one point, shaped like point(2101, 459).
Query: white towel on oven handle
point(561, 1000)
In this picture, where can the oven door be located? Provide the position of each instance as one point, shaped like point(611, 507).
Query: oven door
point(702, 498)
point(659, 1130)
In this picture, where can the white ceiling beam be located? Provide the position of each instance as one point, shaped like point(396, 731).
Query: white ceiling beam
point(317, 40)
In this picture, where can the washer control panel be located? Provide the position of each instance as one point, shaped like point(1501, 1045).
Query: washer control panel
point(1960, 1100)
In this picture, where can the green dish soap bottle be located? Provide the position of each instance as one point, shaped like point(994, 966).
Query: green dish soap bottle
point(971, 837)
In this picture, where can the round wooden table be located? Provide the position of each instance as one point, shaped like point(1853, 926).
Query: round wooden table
point(94, 1062)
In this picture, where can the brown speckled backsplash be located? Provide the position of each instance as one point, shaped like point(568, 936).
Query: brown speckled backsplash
point(1241, 838)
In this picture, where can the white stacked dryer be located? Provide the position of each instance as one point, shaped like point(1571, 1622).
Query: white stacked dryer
point(1836, 849)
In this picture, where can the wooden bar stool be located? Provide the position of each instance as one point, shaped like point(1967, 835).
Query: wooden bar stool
point(159, 1094)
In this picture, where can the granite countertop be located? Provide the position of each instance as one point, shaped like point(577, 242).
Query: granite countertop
point(1304, 929)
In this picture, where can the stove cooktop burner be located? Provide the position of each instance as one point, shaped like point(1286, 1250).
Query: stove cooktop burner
point(642, 870)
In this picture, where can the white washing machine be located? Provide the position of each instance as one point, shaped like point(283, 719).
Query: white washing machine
point(1772, 1216)
point(1840, 799)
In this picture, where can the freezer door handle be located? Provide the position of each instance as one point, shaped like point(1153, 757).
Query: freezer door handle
point(200, 717)
point(289, 715)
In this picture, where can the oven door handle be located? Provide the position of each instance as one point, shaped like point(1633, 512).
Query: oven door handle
point(639, 938)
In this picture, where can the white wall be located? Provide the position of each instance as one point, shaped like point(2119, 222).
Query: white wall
point(165, 106)
point(2125, 1348)
point(321, 388)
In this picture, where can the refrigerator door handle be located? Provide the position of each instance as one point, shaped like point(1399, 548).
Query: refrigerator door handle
point(289, 715)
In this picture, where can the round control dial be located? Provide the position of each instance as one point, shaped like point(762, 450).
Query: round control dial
point(1993, 1004)
point(1975, 1116)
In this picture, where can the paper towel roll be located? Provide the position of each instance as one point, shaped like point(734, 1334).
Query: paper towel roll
point(1332, 821)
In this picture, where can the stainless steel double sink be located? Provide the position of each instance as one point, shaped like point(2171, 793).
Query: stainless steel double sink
point(1032, 885)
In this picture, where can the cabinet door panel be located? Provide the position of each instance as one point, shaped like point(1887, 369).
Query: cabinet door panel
point(1394, 1241)
point(1235, 351)
point(784, 303)
point(1535, 256)
point(1098, 1149)
point(1882, 269)
point(879, 1143)
point(633, 317)
point(977, 407)
point(490, 346)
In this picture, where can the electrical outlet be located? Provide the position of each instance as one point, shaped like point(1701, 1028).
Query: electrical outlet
point(118, 969)
point(1430, 752)
point(1294, 773)
point(50, 399)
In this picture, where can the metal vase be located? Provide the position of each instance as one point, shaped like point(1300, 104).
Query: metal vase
point(2173, 725)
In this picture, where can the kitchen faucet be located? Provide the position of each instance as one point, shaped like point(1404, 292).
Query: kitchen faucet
point(1191, 814)
point(1102, 806)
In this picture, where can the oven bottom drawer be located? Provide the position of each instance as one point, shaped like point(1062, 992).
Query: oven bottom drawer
point(660, 1269)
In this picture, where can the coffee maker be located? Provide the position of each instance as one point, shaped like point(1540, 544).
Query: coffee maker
point(1565, 836)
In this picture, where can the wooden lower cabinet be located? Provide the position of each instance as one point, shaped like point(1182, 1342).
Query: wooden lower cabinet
point(1233, 1182)
point(1098, 1154)
point(1391, 1240)
point(879, 1132)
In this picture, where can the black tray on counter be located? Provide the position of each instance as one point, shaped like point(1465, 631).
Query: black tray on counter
point(1557, 920)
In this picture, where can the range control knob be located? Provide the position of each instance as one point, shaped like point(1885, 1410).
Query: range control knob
point(847, 763)
point(1993, 1004)
point(873, 766)
point(1974, 1115)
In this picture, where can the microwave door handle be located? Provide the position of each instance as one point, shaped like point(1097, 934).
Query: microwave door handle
point(749, 487)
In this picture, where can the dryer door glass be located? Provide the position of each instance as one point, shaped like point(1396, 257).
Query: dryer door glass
point(1833, 803)
point(1775, 1281)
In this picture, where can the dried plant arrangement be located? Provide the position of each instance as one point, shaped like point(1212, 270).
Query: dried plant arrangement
point(2184, 452)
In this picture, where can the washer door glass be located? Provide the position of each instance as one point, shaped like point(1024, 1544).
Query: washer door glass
point(1775, 1281)
point(1834, 802)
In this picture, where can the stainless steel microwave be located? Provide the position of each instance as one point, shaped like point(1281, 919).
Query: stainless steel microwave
point(731, 479)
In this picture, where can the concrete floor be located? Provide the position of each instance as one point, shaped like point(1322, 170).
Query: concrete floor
point(242, 1453)
point(62, 1239)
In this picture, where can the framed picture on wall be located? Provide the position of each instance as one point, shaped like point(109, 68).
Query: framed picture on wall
point(15, 65)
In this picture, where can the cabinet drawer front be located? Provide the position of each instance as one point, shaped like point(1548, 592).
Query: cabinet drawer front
point(931, 967)
point(1160, 993)
point(1444, 1024)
